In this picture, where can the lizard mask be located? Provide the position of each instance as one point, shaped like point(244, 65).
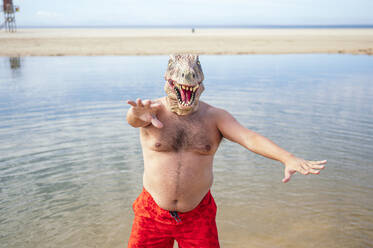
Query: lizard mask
point(183, 85)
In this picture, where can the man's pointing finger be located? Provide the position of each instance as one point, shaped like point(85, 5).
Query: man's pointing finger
point(132, 103)
point(139, 102)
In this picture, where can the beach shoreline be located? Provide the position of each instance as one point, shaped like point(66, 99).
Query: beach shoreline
point(163, 41)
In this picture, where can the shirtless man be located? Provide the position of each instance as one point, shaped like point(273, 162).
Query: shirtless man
point(179, 137)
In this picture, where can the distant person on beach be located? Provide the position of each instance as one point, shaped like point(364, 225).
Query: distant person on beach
point(179, 136)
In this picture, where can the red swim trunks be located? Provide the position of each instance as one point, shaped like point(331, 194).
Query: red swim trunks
point(155, 227)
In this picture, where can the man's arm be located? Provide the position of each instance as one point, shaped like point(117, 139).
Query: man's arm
point(231, 129)
point(143, 113)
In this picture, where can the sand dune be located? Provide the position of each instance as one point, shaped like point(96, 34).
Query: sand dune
point(59, 42)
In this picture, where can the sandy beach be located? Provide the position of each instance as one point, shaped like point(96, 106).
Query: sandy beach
point(97, 42)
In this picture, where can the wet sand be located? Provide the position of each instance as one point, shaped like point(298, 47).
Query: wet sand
point(97, 42)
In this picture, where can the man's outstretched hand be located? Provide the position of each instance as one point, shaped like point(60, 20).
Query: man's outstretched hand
point(302, 166)
point(146, 111)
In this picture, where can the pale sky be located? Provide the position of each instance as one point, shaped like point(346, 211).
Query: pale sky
point(193, 12)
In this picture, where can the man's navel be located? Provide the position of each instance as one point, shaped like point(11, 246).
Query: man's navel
point(207, 148)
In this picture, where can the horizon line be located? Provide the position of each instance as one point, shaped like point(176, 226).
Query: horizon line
point(206, 26)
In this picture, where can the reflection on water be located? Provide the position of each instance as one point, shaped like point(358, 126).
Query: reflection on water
point(15, 63)
point(70, 167)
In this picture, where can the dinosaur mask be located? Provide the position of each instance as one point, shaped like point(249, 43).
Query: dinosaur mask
point(183, 86)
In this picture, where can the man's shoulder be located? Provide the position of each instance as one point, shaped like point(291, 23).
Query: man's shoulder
point(212, 110)
point(220, 117)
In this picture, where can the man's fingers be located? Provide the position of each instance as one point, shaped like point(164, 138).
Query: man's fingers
point(288, 174)
point(315, 166)
point(287, 177)
point(139, 102)
point(308, 168)
point(303, 169)
point(156, 122)
point(132, 103)
point(313, 171)
point(146, 103)
point(318, 162)
point(319, 165)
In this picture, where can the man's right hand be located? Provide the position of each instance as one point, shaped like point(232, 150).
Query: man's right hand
point(146, 111)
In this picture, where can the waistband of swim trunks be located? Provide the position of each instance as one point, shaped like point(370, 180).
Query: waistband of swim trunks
point(145, 206)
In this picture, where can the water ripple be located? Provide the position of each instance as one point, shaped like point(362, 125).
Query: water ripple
point(70, 166)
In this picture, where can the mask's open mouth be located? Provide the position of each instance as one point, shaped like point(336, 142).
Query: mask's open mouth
point(185, 94)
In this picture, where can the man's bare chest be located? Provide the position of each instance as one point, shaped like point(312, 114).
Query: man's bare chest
point(185, 134)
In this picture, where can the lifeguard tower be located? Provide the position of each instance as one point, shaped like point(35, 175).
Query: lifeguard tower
point(9, 10)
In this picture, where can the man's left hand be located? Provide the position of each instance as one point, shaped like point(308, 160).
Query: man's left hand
point(302, 166)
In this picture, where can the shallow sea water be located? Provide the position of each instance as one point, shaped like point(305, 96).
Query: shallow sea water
point(70, 165)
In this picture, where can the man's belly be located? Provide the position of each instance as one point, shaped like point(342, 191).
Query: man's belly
point(178, 181)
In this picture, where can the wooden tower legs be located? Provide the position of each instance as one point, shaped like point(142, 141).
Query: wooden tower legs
point(10, 22)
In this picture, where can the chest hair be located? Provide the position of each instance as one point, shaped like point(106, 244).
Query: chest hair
point(191, 133)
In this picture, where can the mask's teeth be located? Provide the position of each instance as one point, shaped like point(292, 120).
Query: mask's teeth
point(190, 88)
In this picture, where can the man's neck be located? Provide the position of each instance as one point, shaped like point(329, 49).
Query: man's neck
point(172, 106)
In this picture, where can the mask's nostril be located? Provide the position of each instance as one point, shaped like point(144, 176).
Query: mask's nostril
point(182, 75)
point(194, 75)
